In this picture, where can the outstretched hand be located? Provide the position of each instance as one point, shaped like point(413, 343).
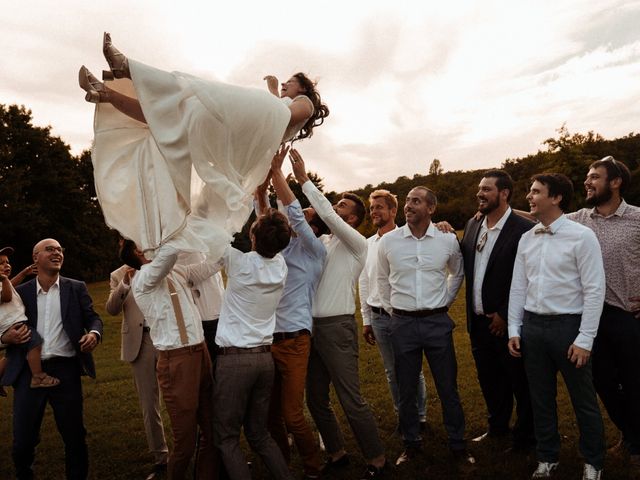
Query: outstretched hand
point(278, 158)
point(299, 169)
point(272, 83)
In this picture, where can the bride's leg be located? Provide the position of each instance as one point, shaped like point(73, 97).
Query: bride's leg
point(127, 105)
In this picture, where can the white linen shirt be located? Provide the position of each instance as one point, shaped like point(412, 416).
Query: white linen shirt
point(56, 342)
point(151, 291)
point(419, 273)
point(207, 293)
point(482, 258)
point(254, 288)
point(368, 282)
point(346, 256)
point(559, 274)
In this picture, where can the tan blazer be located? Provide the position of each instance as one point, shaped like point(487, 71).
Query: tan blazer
point(121, 300)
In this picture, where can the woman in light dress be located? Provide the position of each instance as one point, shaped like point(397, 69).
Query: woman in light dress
point(176, 156)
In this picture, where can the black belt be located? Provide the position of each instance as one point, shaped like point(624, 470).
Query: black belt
point(279, 336)
point(420, 313)
point(378, 310)
point(238, 350)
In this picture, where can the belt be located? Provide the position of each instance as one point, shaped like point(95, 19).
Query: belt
point(280, 336)
point(378, 310)
point(238, 350)
point(181, 350)
point(420, 313)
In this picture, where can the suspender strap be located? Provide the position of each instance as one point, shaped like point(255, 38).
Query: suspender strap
point(178, 311)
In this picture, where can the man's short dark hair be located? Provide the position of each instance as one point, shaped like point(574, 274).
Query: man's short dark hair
point(359, 209)
point(557, 184)
point(503, 181)
point(615, 169)
point(321, 227)
point(272, 233)
point(128, 254)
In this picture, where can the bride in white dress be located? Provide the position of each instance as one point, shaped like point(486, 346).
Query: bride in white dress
point(177, 157)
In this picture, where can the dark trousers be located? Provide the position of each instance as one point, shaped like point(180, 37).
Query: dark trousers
point(210, 328)
point(66, 401)
point(501, 377)
point(241, 399)
point(334, 360)
point(411, 336)
point(545, 342)
point(616, 371)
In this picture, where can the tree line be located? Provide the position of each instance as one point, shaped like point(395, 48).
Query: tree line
point(45, 191)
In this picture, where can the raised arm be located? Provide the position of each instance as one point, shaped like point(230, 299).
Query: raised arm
point(272, 84)
point(119, 289)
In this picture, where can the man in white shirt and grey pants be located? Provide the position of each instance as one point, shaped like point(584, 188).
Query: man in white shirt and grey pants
point(557, 294)
point(420, 271)
point(334, 352)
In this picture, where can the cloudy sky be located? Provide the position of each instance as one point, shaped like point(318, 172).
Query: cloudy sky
point(468, 82)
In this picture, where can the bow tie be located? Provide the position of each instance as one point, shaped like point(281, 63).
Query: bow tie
point(544, 230)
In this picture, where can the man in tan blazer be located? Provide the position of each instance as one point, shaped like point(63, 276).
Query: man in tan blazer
point(138, 350)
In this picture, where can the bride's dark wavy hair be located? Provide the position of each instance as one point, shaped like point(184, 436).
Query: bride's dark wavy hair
point(320, 110)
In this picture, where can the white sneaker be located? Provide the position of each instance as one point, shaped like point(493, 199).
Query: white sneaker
point(545, 470)
point(590, 473)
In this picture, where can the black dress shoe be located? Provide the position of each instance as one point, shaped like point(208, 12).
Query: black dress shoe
point(372, 472)
point(158, 472)
point(408, 455)
point(489, 435)
point(332, 465)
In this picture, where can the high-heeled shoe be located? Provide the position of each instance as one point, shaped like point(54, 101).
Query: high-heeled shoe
point(117, 61)
point(91, 85)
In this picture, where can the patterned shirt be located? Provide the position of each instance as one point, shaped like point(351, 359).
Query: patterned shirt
point(619, 237)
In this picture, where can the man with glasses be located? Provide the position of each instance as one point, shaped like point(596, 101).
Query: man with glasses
point(62, 312)
point(489, 247)
point(616, 351)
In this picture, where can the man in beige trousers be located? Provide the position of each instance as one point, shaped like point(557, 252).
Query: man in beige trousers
point(138, 350)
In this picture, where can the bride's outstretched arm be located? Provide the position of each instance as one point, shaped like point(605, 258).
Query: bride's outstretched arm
point(272, 84)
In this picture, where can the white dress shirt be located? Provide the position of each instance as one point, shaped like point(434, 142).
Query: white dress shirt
point(56, 342)
point(346, 256)
point(559, 273)
point(151, 291)
point(254, 288)
point(419, 273)
point(482, 258)
point(368, 282)
point(207, 293)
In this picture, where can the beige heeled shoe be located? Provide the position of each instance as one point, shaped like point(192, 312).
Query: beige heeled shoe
point(117, 61)
point(90, 84)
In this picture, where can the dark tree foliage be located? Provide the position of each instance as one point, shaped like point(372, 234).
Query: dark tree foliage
point(46, 192)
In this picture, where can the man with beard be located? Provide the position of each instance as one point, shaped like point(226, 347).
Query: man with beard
point(334, 346)
point(383, 206)
point(489, 247)
point(616, 351)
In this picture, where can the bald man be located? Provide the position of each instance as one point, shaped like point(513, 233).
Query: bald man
point(62, 312)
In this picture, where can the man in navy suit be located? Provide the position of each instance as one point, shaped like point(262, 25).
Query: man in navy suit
point(62, 312)
point(489, 247)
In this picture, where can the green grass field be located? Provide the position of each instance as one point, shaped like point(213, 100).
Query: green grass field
point(118, 450)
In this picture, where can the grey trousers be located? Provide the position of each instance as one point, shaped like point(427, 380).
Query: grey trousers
point(411, 336)
point(334, 359)
point(241, 395)
point(545, 342)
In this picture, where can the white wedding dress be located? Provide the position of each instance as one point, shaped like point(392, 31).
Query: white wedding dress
point(188, 175)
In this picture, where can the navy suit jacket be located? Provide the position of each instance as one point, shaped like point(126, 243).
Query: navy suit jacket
point(78, 318)
point(497, 278)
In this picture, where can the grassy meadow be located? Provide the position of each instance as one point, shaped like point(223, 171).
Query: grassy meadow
point(118, 449)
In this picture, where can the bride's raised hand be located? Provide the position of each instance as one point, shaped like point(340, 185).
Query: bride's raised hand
point(272, 84)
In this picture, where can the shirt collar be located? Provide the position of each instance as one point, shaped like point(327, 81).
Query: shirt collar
point(431, 231)
point(39, 288)
point(500, 223)
point(618, 213)
point(377, 236)
point(557, 223)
